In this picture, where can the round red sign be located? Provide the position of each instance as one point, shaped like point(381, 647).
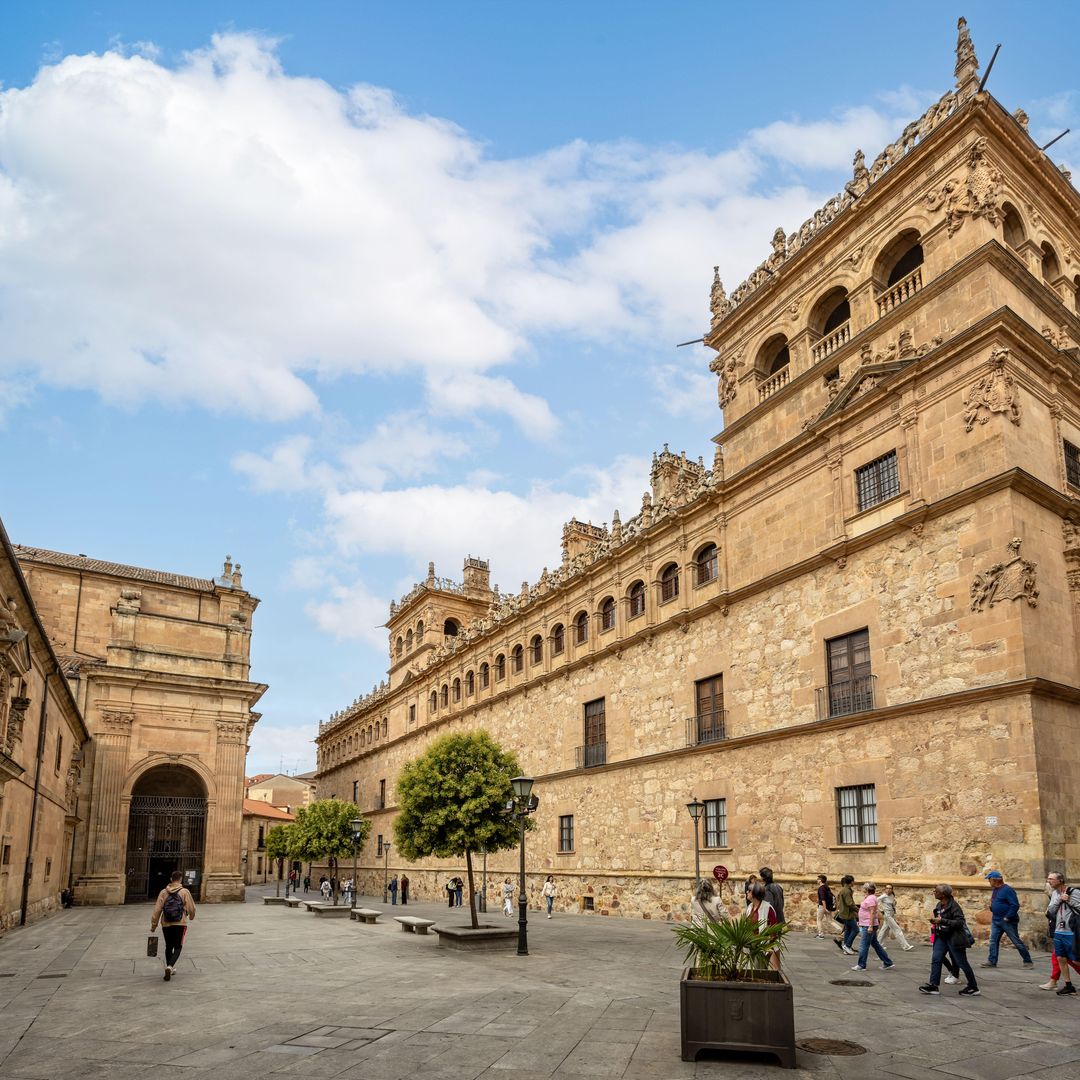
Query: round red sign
point(720, 873)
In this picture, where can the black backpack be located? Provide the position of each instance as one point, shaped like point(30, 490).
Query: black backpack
point(830, 900)
point(173, 908)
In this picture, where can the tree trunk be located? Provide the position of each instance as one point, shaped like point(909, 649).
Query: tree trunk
point(472, 894)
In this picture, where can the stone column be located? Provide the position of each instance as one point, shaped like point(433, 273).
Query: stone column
point(103, 882)
point(222, 879)
point(909, 421)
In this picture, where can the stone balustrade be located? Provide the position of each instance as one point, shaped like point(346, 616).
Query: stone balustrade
point(831, 342)
point(896, 294)
point(773, 383)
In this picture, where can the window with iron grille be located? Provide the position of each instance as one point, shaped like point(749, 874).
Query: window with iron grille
point(558, 639)
point(669, 584)
point(595, 749)
point(607, 615)
point(707, 564)
point(851, 683)
point(716, 823)
point(637, 599)
point(1072, 465)
point(382, 794)
point(856, 814)
point(877, 481)
point(378, 847)
point(566, 832)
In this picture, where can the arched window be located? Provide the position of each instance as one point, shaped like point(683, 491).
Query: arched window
point(773, 355)
point(444, 695)
point(433, 702)
point(485, 676)
point(457, 690)
point(1051, 268)
point(607, 615)
point(408, 642)
point(1012, 226)
point(385, 727)
point(500, 667)
point(898, 260)
point(420, 632)
point(636, 597)
point(470, 684)
point(517, 659)
point(369, 733)
point(669, 583)
point(450, 628)
point(581, 627)
point(537, 649)
point(399, 647)
point(831, 311)
point(558, 639)
point(363, 739)
point(707, 564)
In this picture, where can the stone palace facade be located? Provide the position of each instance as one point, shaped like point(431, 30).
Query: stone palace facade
point(854, 636)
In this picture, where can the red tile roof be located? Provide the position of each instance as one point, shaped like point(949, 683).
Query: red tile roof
point(99, 566)
point(254, 808)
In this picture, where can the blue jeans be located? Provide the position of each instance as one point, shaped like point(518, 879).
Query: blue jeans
point(942, 948)
point(869, 940)
point(851, 931)
point(1009, 929)
point(550, 900)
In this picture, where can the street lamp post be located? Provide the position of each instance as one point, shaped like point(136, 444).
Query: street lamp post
point(357, 824)
point(385, 871)
point(696, 809)
point(522, 804)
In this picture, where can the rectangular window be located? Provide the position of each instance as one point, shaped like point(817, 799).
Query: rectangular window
point(856, 814)
point(566, 832)
point(378, 847)
point(851, 685)
point(258, 869)
point(5, 860)
point(59, 752)
point(716, 823)
point(412, 714)
point(637, 600)
point(48, 869)
point(1072, 465)
point(382, 794)
point(595, 748)
point(878, 481)
point(709, 710)
point(356, 792)
point(262, 836)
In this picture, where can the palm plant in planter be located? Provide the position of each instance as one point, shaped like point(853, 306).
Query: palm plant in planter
point(729, 996)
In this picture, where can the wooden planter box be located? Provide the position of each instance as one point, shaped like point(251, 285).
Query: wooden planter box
point(738, 1016)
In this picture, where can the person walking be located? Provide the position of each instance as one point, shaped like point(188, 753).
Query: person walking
point(748, 888)
point(459, 889)
point(950, 938)
point(450, 892)
point(847, 914)
point(773, 893)
point(174, 909)
point(868, 928)
point(325, 888)
point(549, 893)
point(393, 890)
point(761, 910)
point(1063, 922)
point(404, 889)
point(888, 924)
point(705, 905)
point(508, 897)
point(826, 905)
point(307, 883)
point(1004, 919)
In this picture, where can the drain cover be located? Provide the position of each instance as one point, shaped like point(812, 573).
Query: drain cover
point(850, 982)
point(837, 1047)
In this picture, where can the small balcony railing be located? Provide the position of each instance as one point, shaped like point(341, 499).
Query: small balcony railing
point(593, 754)
point(831, 342)
point(773, 383)
point(849, 696)
point(708, 727)
point(896, 294)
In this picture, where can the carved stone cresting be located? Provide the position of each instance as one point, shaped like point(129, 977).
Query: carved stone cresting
point(1011, 580)
point(1021, 118)
point(994, 392)
point(978, 194)
point(718, 301)
point(967, 64)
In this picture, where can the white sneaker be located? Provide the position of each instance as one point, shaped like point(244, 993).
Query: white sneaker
point(549, 916)
point(908, 948)
point(850, 952)
point(951, 979)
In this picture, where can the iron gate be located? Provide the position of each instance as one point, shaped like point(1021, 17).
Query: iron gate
point(165, 833)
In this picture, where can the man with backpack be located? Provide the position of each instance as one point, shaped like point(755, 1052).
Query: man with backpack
point(1063, 920)
point(826, 905)
point(173, 909)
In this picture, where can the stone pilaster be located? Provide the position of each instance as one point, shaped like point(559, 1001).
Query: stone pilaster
point(222, 878)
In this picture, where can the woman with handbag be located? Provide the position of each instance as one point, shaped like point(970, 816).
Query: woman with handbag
point(951, 937)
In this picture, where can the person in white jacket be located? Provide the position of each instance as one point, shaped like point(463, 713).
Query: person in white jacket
point(887, 916)
point(549, 893)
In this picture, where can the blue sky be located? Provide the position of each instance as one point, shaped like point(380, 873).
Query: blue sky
point(344, 287)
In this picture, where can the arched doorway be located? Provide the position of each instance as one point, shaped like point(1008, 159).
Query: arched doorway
point(166, 831)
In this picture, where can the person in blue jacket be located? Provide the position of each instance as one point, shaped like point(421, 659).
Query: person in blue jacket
point(1004, 919)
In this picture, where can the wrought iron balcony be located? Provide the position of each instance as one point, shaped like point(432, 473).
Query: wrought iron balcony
point(593, 754)
point(845, 697)
point(707, 727)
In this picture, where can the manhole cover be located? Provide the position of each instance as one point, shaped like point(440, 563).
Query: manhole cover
point(850, 982)
point(837, 1047)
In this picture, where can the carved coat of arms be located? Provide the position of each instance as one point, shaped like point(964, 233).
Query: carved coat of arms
point(994, 392)
point(1011, 580)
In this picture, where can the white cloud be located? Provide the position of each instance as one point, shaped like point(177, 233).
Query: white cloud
point(351, 612)
point(685, 391)
point(277, 746)
point(285, 469)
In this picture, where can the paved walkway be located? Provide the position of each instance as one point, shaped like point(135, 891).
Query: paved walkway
point(266, 991)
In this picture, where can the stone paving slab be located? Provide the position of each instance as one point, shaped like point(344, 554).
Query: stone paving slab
point(262, 991)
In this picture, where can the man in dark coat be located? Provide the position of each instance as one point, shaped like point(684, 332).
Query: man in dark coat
point(1004, 919)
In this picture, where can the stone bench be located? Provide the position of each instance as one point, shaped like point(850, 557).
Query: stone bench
point(294, 902)
point(412, 925)
point(339, 912)
point(271, 900)
point(365, 915)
